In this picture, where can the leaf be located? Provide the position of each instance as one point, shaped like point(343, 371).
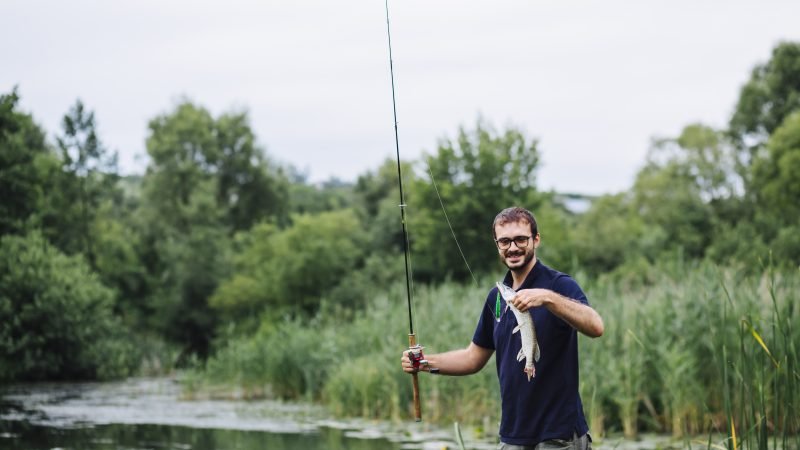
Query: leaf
point(761, 342)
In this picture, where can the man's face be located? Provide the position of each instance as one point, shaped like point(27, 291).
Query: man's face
point(515, 256)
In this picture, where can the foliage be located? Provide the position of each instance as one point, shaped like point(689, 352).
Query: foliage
point(476, 175)
point(88, 176)
point(207, 180)
point(672, 209)
point(557, 230)
point(608, 233)
point(197, 262)
point(190, 148)
point(284, 273)
point(771, 94)
point(56, 318)
point(378, 196)
point(119, 264)
point(306, 198)
point(776, 173)
point(26, 164)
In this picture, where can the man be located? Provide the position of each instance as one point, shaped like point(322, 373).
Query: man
point(545, 412)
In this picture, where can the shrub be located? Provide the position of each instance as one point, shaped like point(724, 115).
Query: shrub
point(56, 318)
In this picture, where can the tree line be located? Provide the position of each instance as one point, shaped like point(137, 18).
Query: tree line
point(103, 274)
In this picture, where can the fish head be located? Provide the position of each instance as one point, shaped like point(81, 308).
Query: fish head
point(506, 292)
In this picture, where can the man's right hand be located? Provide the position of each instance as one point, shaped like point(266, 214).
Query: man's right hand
point(407, 364)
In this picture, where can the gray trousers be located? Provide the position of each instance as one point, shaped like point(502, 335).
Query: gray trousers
point(576, 443)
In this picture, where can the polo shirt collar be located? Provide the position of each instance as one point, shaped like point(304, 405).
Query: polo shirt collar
point(535, 270)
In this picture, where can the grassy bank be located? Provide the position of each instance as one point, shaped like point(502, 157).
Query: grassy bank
point(689, 350)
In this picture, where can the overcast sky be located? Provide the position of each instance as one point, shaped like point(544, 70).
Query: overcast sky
point(593, 81)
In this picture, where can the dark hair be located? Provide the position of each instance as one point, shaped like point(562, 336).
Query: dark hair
point(513, 215)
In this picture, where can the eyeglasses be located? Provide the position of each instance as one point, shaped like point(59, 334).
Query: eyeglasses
point(505, 243)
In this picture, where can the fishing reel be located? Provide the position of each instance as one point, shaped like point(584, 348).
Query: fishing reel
point(418, 359)
point(416, 356)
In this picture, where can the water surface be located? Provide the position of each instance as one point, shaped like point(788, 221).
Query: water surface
point(139, 414)
point(148, 414)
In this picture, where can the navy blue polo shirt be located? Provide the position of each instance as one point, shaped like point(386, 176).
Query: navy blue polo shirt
point(548, 406)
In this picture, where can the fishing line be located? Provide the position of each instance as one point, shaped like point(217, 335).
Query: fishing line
point(435, 188)
point(406, 245)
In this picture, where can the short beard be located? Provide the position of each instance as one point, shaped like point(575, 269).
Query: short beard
point(526, 260)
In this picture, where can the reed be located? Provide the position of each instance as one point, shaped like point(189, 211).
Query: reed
point(716, 354)
point(693, 350)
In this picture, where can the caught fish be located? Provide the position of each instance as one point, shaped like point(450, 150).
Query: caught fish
point(527, 333)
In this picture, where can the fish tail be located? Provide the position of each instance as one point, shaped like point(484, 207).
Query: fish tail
point(531, 372)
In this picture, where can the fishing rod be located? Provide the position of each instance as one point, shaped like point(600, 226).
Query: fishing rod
point(415, 350)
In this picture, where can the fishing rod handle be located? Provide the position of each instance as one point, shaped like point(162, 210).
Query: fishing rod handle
point(412, 342)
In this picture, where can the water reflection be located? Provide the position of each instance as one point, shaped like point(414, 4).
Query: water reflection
point(17, 435)
point(148, 414)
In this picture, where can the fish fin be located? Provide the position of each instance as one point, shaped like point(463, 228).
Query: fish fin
point(520, 355)
point(516, 329)
point(536, 352)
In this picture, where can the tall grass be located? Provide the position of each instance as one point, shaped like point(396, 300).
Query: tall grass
point(715, 352)
point(693, 350)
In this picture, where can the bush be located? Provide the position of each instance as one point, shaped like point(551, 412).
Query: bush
point(56, 318)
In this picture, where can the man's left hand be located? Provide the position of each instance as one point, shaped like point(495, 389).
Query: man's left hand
point(531, 298)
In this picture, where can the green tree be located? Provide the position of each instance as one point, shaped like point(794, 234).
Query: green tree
point(776, 172)
point(251, 188)
point(474, 176)
point(197, 264)
point(671, 207)
point(206, 181)
point(709, 158)
point(67, 195)
point(306, 198)
point(188, 147)
point(88, 177)
point(188, 263)
point(373, 187)
point(610, 233)
point(26, 166)
point(285, 273)
point(378, 196)
point(771, 94)
point(688, 189)
point(56, 319)
point(776, 186)
point(118, 259)
point(556, 227)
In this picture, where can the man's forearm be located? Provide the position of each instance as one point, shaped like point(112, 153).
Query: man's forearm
point(580, 316)
point(459, 362)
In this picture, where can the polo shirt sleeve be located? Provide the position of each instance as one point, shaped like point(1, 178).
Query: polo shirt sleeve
point(569, 288)
point(484, 332)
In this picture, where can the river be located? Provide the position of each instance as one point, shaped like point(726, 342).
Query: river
point(149, 414)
